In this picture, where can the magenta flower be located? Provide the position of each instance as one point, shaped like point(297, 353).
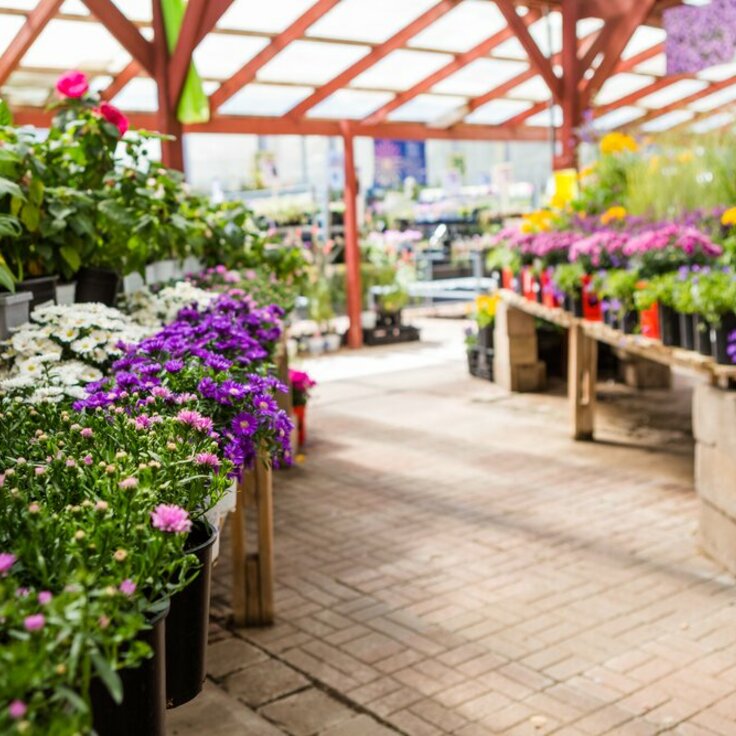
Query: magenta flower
point(87, 460)
point(114, 116)
point(171, 519)
point(86, 433)
point(44, 597)
point(7, 560)
point(128, 483)
point(209, 459)
point(17, 709)
point(72, 84)
point(34, 622)
point(127, 587)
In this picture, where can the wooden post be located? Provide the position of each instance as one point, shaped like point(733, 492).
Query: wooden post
point(252, 600)
point(583, 374)
point(352, 248)
point(571, 113)
point(172, 151)
point(516, 364)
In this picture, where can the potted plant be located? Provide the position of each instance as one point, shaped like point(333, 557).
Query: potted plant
point(618, 287)
point(568, 278)
point(715, 297)
point(301, 386)
point(659, 292)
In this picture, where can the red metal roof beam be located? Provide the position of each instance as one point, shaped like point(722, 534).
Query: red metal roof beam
point(460, 61)
point(36, 21)
point(126, 34)
point(379, 52)
point(247, 73)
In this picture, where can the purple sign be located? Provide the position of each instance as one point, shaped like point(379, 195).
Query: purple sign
point(398, 160)
point(700, 36)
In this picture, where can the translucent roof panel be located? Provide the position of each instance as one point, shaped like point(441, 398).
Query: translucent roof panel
point(92, 48)
point(369, 21)
point(140, 95)
point(137, 10)
point(29, 88)
point(427, 108)
point(657, 66)
point(311, 62)
point(718, 73)
point(618, 117)
point(401, 69)
point(9, 26)
point(722, 97)
point(19, 4)
point(352, 104)
point(480, 76)
point(462, 28)
point(542, 119)
point(620, 85)
point(74, 7)
point(643, 38)
point(533, 89)
point(264, 17)
point(667, 121)
point(265, 99)
point(219, 56)
point(496, 112)
point(673, 93)
point(720, 120)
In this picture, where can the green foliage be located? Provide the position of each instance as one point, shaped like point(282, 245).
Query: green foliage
point(568, 278)
point(502, 257)
point(714, 294)
point(659, 289)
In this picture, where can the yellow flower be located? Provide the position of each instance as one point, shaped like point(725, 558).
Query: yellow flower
point(613, 213)
point(537, 222)
point(617, 142)
point(685, 157)
point(654, 162)
point(486, 304)
point(729, 217)
point(587, 172)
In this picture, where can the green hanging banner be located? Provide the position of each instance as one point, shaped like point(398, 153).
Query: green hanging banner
point(194, 107)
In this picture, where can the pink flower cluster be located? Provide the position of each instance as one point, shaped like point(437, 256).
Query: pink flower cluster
point(171, 519)
point(73, 85)
point(604, 242)
point(689, 240)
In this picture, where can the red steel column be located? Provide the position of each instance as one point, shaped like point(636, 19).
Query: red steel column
point(571, 112)
point(352, 247)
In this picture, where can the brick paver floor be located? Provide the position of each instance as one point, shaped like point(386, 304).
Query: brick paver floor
point(450, 562)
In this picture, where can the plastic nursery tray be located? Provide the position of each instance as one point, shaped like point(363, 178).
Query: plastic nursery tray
point(390, 335)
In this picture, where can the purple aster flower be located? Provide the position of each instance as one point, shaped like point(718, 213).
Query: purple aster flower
point(17, 709)
point(174, 366)
point(244, 425)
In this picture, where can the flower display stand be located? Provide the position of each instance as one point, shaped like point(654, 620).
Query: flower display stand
point(516, 364)
point(714, 427)
point(252, 598)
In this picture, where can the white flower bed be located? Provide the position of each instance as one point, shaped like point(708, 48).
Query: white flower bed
point(154, 309)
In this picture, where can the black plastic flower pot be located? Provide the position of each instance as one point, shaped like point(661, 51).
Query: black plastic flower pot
point(687, 331)
point(188, 624)
point(574, 305)
point(485, 338)
point(143, 708)
point(42, 290)
point(719, 341)
point(629, 322)
point(97, 285)
point(702, 335)
point(388, 319)
point(669, 326)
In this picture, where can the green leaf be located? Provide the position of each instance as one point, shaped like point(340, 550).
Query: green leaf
point(10, 226)
point(6, 278)
point(6, 117)
point(108, 675)
point(73, 698)
point(11, 188)
point(71, 257)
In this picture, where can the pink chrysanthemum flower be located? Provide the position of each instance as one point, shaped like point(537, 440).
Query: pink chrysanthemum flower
point(209, 459)
point(127, 587)
point(171, 519)
point(34, 622)
point(7, 560)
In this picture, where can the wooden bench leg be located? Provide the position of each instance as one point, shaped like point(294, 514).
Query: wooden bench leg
point(252, 599)
point(583, 375)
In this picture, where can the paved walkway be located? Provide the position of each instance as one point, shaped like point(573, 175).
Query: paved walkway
point(449, 562)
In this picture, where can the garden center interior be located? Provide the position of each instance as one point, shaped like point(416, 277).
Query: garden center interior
point(367, 367)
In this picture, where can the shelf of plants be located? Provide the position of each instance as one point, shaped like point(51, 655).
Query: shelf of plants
point(648, 247)
point(122, 429)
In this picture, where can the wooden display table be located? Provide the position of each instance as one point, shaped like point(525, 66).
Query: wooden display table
point(584, 337)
